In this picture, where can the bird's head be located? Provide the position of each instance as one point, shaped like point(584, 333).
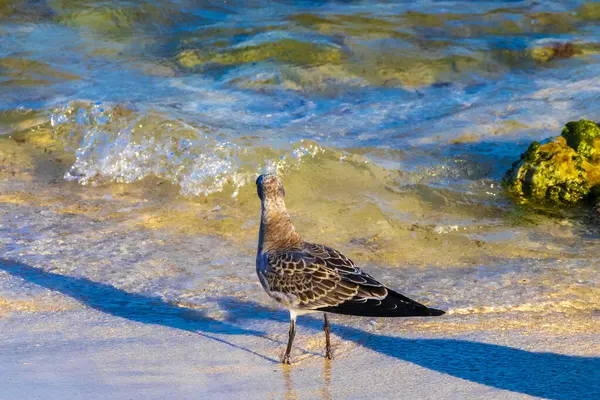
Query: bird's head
point(269, 187)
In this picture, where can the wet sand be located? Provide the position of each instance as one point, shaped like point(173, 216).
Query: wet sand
point(110, 342)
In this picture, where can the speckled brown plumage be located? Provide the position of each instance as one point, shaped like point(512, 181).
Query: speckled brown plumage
point(319, 276)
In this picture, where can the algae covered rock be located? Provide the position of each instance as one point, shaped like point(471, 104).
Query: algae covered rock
point(548, 173)
point(584, 137)
point(562, 171)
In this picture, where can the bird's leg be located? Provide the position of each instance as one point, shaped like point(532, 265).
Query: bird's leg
point(286, 357)
point(328, 354)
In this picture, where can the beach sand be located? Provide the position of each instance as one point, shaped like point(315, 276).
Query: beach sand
point(110, 343)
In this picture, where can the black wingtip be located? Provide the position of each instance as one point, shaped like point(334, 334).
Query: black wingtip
point(393, 305)
point(435, 312)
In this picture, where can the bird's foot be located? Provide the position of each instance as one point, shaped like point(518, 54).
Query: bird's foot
point(329, 355)
point(286, 360)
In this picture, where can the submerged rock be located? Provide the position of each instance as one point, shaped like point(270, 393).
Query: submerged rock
point(285, 50)
point(565, 170)
point(554, 51)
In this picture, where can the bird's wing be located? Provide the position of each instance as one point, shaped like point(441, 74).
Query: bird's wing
point(321, 278)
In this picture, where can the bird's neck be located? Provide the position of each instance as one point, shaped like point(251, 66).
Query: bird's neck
point(276, 229)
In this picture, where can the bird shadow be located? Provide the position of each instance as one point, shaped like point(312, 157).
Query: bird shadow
point(547, 375)
point(136, 307)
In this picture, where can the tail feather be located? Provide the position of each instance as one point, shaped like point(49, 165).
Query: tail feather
point(393, 305)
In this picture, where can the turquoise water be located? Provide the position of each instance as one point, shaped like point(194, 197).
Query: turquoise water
point(411, 85)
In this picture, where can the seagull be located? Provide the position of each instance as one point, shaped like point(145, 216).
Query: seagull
point(306, 277)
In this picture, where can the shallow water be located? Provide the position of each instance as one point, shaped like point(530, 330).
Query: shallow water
point(131, 138)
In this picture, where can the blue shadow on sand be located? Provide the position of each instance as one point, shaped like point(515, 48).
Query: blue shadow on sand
point(132, 306)
point(548, 375)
